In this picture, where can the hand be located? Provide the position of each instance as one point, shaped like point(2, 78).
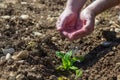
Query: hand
point(67, 19)
point(83, 27)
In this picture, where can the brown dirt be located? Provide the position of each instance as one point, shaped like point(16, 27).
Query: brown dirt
point(101, 63)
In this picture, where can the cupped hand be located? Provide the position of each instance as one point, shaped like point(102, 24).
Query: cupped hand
point(84, 26)
point(66, 20)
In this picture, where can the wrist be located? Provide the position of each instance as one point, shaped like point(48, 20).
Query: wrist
point(90, 12)
point(72, 9)
point(99, 6)
point(75, 5)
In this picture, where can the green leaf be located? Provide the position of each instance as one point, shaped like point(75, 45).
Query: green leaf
point(59, 54)
point(60, 67)
point(78, 73)
point(63, 78)
point(81, 59)
point(64, 63)
point(69, 54)
point(66, 60)
point(73, 68)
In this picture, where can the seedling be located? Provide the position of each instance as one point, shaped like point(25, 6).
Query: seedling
point(68, 61)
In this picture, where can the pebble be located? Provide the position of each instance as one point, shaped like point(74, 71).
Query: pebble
point(33, 76)
point(2, 60)
point(10, 61)
point(12, 78)
point(21, 61)
point(118, 77)
point(4, 77)
point(106, 44)
point(119, 18)
point(118, 64)
point(111, 22)
point(54, 38)
point(96, 21)
point(20, 77)
point(9, 50)
point(21, 55)
point(11, 1)
point(12, 74)
point(8, 56)
point(0, 34)
point(13, 17)
point(37, 33)
point(24, 17)
point(52, 77)
point(5, 17)
point(2, 5)
point(23, 3)
point(117, 30)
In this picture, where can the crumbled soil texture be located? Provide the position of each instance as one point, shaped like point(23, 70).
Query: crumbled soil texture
point(101, 62)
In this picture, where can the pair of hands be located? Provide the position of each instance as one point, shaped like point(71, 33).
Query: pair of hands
point(74, 25)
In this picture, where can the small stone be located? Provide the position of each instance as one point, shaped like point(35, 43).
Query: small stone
point(21, 55)
point(41, 17)
point(96, 21)
point(11, 1)
point(2, 60)
point(8, 56)
point(52, 77)
point(12, 78)
point(21, 61)
point(10, 61)
point(34, 68)
point(23, 3)
point(24, 17)
point(118, 64)
point(9, 50)
point(118, 77)
point(2, 5)
point(119, 18)
point(111, 22)
point(73, 76)
point(5, 17)
point(117, 30)
point(53, 62)
point(20, 77)
point(106, 44)
point(12, 74)
point(114, 48)
point(37, 33)
point(54, 38)
point(5, 77)
point(13, 17)
point(0, 35)
point(33, 76)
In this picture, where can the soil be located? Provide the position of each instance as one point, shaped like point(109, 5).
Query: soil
point(101, 62)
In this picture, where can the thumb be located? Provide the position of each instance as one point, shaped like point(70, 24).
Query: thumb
point(61, 23)
point(88, 26)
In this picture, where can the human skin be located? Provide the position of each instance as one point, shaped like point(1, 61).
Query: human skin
point(75, 5)
point(84, 25)
point(70, 15)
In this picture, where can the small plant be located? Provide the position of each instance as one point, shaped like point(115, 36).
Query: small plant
point(68, 61)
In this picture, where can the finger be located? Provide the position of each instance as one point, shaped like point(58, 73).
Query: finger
point(77, 34)
point(61, 23)
point(65, 33)
point(85, 30)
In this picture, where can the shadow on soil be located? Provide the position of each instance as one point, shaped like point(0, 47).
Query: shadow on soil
point(97, 53)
